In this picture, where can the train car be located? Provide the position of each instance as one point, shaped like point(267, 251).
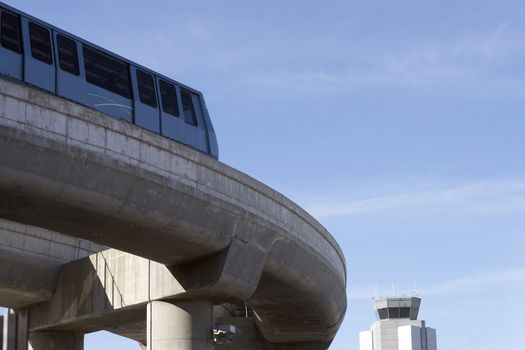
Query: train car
point(49, 58)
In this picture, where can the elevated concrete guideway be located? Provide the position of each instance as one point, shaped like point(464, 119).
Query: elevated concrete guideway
point(223, 236)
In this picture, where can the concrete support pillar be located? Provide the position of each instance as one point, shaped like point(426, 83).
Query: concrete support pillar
point(13, 334)
point(2, 331)
point(180, 325)
point(56, 341)
point(9, 331)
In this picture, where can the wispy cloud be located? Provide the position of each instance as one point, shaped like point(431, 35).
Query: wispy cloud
point(465, 284)
point(500, 42)
point(457, 63)
point(488, 197)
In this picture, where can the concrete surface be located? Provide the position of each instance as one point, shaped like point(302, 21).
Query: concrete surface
point(30, 259)
point(56, 341)
point(180, 325)
point(221, 235)
point(53, 246)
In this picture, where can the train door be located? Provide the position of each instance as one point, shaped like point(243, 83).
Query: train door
point(192, 127)
point(39, 68)
point(211, 138)
point(169, 109)
point(179, 120)
point(11, 50)
point(70, 75)
point(147, 113)
point(196, 118)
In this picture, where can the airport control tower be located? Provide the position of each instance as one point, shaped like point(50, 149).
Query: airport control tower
point(397, 327)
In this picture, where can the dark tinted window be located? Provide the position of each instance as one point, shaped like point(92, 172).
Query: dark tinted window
point(107, 72)
point(393, 312)
point(404, 312)
point(40, 43)
point(169, 98)
point(146, 89)
point(67, 55)
point(11, 38)
point(187, 108)
point(383, 313)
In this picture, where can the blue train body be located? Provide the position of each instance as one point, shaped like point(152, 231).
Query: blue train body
point(63, 64)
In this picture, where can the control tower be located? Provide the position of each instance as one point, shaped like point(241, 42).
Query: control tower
point(397, 327)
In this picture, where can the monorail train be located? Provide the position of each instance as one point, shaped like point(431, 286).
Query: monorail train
point(49, 58)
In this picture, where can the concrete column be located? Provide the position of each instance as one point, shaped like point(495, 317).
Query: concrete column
point(1, 332)
point(22, 329)
point(180, 325)
point(9, 331)
point(56, 341)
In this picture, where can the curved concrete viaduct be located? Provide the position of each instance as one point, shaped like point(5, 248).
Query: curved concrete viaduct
point(222, 235)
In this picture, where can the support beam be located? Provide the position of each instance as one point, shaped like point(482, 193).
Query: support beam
point(56, 341)
point(180, 325)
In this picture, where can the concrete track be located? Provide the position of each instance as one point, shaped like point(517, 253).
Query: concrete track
point(222, 234)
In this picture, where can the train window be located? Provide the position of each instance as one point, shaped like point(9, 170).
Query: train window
point(187, 108)
point(67, 55)
point(146, 89)
point(40, 43)
point(106, 72)
point(11, 38)
point(169, 98)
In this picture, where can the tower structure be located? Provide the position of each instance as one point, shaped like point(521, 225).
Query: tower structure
point(397, 327)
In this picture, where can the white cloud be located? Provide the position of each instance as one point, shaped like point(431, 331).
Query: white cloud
point(466, 284)
point(459, 63)
point(489, 197)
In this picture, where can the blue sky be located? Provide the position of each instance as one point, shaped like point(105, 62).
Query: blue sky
point(398, 124)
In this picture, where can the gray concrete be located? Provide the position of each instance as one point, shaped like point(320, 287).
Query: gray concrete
point(95, 292)
point(30, 259)
point(180, 325)
point(54, 247)
point(25, 281)
point(56, 341)
point(15, 331)
point(110, 290)
point(223, 235)
point(8, 337)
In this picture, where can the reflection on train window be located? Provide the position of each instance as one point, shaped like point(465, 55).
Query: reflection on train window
point(67, 55)
point(11, 38)
point(146, 89)
point(106, 72)
point(168, 95)
point(40, 43)
point(187, 108)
